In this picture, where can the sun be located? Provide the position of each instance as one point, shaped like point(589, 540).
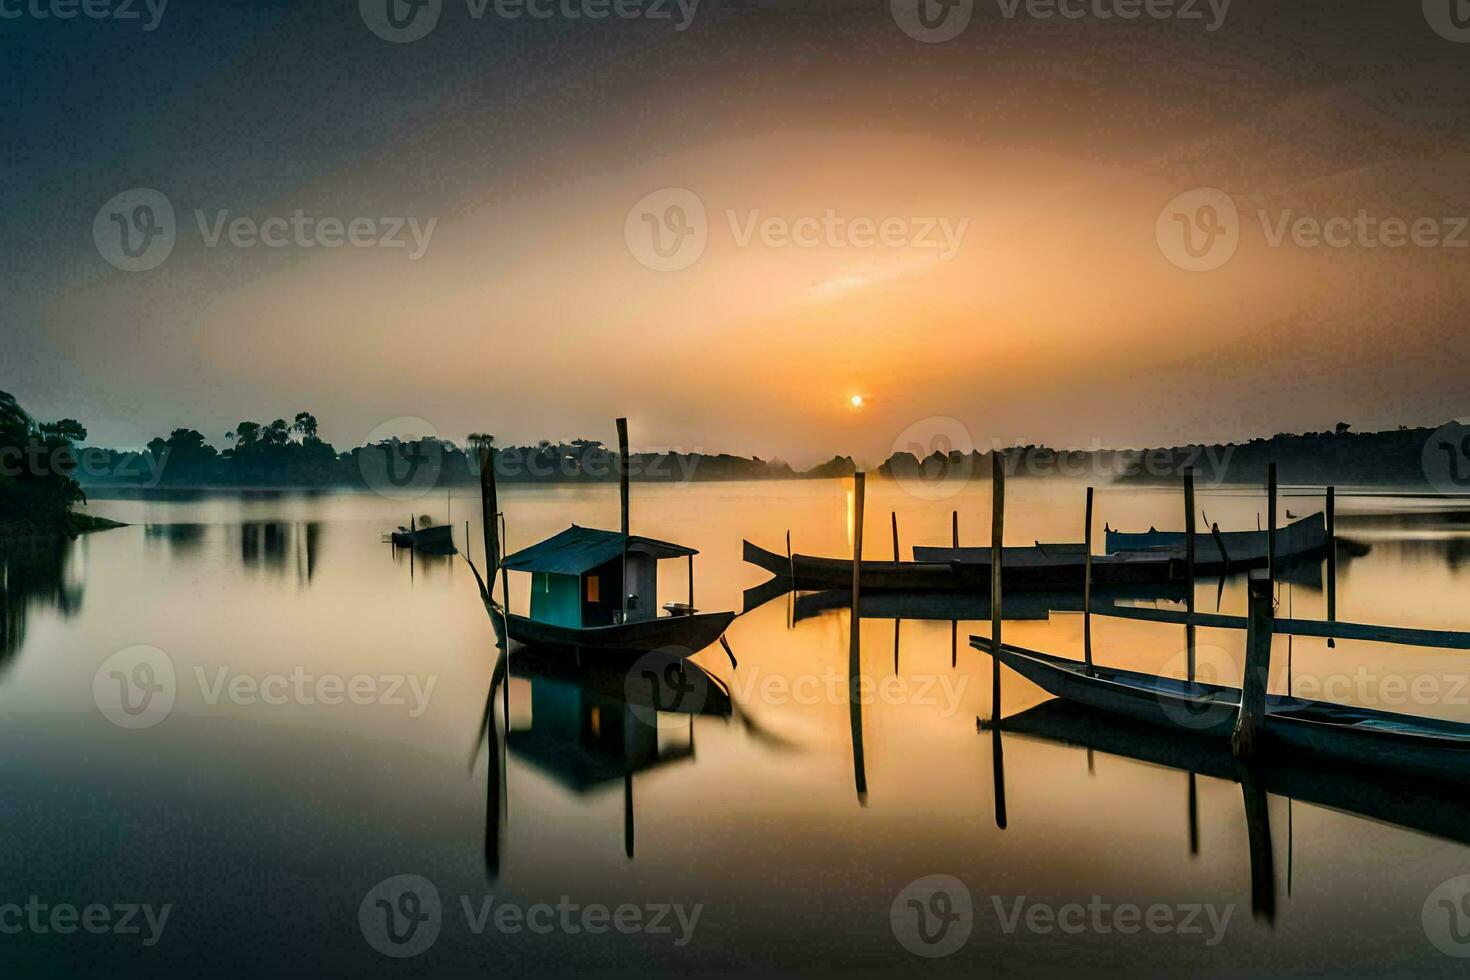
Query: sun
point(856, 401)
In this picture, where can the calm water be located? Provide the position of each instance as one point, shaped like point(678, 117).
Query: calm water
point(266, 805)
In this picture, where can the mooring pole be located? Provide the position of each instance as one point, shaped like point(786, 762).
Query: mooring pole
point(854, 646)
point(489, 526)
point(997, 547)
point(1087, 583)
point(1189, 568)
point(1331, 560)
point(954, 626)
point(623, 499)
point(1271, 522)
point(1250, 723)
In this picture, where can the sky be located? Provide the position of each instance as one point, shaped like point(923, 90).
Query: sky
point(980, 236)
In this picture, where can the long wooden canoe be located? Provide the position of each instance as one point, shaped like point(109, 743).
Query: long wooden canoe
point(678, 635)
point(1243, 549)
point(1021, 568)
point(1402, 743)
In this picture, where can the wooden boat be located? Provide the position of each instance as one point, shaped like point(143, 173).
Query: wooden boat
point(438, 539)
point(939, 607)
point(967, 570)
point(1403, 743)
point(1438, 808)
point(1061, 565)
point(1243, 549)
point(597, 590)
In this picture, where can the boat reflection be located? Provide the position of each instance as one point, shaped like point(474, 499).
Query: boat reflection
point(593, 725)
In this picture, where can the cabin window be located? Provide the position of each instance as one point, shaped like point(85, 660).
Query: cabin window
point(594, 588)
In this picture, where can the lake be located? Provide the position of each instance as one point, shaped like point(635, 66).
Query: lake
point(321, 734)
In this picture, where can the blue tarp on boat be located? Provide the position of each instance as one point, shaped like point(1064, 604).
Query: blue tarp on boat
point(581, 549)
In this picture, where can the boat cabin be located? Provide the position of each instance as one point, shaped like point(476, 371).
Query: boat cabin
point(586, 577)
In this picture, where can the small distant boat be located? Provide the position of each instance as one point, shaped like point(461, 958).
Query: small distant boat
point(1243, 549)
point(437, 539)
point(1403, 743)
point(968, 569)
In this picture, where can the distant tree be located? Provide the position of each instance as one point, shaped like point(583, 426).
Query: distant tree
point(478, 441)
point(1342, 428)
point(278, 433)
point(306, 425)
point(246, 434)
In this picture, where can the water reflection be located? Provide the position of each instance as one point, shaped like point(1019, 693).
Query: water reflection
point(282, 548)
point(34, 573)
point(593, 725)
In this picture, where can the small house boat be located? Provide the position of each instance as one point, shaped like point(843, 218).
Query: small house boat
point(438, 539)
point(599, 589)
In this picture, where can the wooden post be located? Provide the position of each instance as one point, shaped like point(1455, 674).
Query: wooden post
point(489, 526)
point(896, 558)
point(954, 626)
point(1271, 521)
point(623, 499)
point(997, 548)
point(1087, 584)
point(1331, 560)
point(854, 646)
point(691, 585)
point(1250, 723)
point(1189, 635)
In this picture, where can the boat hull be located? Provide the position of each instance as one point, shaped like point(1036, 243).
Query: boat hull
point(1029, 569)
point(680, 636)
point(1243, 549)
point(438, 539)
point(1403, 743)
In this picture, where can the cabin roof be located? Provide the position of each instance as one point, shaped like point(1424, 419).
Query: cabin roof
point(581, 549)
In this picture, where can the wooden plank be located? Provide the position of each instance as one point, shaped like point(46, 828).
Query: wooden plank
point(1403, 635)
point(1331, 556)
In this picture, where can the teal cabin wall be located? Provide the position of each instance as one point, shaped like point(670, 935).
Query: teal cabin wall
point(556, 599)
